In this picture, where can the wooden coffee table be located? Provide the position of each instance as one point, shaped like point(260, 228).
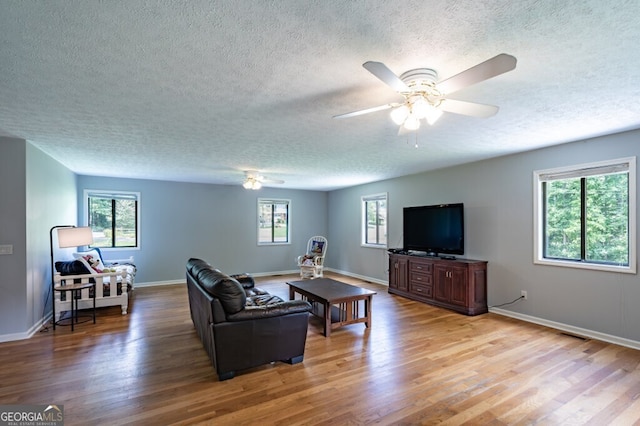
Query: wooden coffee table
point(335, 302)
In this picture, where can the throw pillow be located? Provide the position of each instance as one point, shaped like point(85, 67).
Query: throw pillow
point(92, 262)
point(317, 247)
point(71, 267)
point(94, 252)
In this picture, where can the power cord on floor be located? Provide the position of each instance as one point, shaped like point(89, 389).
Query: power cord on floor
point(508, 303)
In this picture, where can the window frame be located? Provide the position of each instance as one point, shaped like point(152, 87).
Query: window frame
point(117, 194)
point(383, 196)
point(274, 201)
point(583, 170)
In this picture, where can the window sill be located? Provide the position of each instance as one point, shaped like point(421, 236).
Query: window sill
point(631, 269)
point(375, 246)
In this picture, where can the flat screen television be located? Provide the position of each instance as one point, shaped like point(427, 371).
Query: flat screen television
point(434, 229)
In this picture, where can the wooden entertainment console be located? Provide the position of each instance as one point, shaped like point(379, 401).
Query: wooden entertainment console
point(459, 284)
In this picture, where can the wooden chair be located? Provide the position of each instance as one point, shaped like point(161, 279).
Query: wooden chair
point(311, 263)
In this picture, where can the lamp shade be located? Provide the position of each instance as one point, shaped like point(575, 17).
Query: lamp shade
point(74, 237)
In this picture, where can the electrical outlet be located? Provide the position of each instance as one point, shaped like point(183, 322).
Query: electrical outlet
point(523, 294)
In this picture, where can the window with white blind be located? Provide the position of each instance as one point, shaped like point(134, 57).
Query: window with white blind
point(585, 216)
point(114, 218)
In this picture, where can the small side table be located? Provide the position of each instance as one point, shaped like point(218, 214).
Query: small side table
point(74, 290)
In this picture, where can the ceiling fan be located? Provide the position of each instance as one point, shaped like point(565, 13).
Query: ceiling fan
point(254, 180)
point(427, 98)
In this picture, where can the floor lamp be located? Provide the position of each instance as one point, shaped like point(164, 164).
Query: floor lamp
point(68, 236)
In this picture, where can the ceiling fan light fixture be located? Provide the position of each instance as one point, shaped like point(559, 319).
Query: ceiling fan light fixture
point(420, 108)
point(252, 183)
point(433, 114)
point(424, 93)
point(412, 122)
point(399, 114)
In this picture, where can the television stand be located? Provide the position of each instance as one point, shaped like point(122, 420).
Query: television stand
point(448, 257)
point(457, 284)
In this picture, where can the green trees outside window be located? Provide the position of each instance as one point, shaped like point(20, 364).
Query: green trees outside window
point(588, 219)
point(113, 220)
point(587, 214)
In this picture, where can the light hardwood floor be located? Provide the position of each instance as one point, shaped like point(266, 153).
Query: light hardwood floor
point(416, 365)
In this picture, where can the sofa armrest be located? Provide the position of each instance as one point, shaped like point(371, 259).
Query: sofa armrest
point(245, 280)
point(269, 311)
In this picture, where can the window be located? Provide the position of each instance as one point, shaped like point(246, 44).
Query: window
point(273, 221)
point(374, 220)
point(585, 216)
point(114, 218)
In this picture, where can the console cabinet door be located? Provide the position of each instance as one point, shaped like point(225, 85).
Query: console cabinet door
point(459, 286)
point(442, 284)
point(398, 275)
point(451, 285)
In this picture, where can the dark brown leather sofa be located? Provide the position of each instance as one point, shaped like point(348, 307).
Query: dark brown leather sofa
point(240, 325)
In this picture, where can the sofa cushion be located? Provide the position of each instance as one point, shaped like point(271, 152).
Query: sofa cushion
point(282, 309)
point(223, 287)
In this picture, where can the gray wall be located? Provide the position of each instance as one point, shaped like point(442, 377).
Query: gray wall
point(13, 228)
point(498, 198)
point(217, 223)
point(50, 201)
point(37, 193)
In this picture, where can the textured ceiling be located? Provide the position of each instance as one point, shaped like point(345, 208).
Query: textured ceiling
point(200, 90)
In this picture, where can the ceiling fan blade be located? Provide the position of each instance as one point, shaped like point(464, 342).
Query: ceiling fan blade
point(483, 71)
point(267, 180)
point(468, 108)
point(387, 76)
point(252, 174)
point(366, 111)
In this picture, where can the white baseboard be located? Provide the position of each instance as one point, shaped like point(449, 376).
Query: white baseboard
point(15, 336)
point(569, 328)
point(158, 283)
point(348, 274)
point(268, 274)
point(271, 273)
point(361, 277)
point(27, 334)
